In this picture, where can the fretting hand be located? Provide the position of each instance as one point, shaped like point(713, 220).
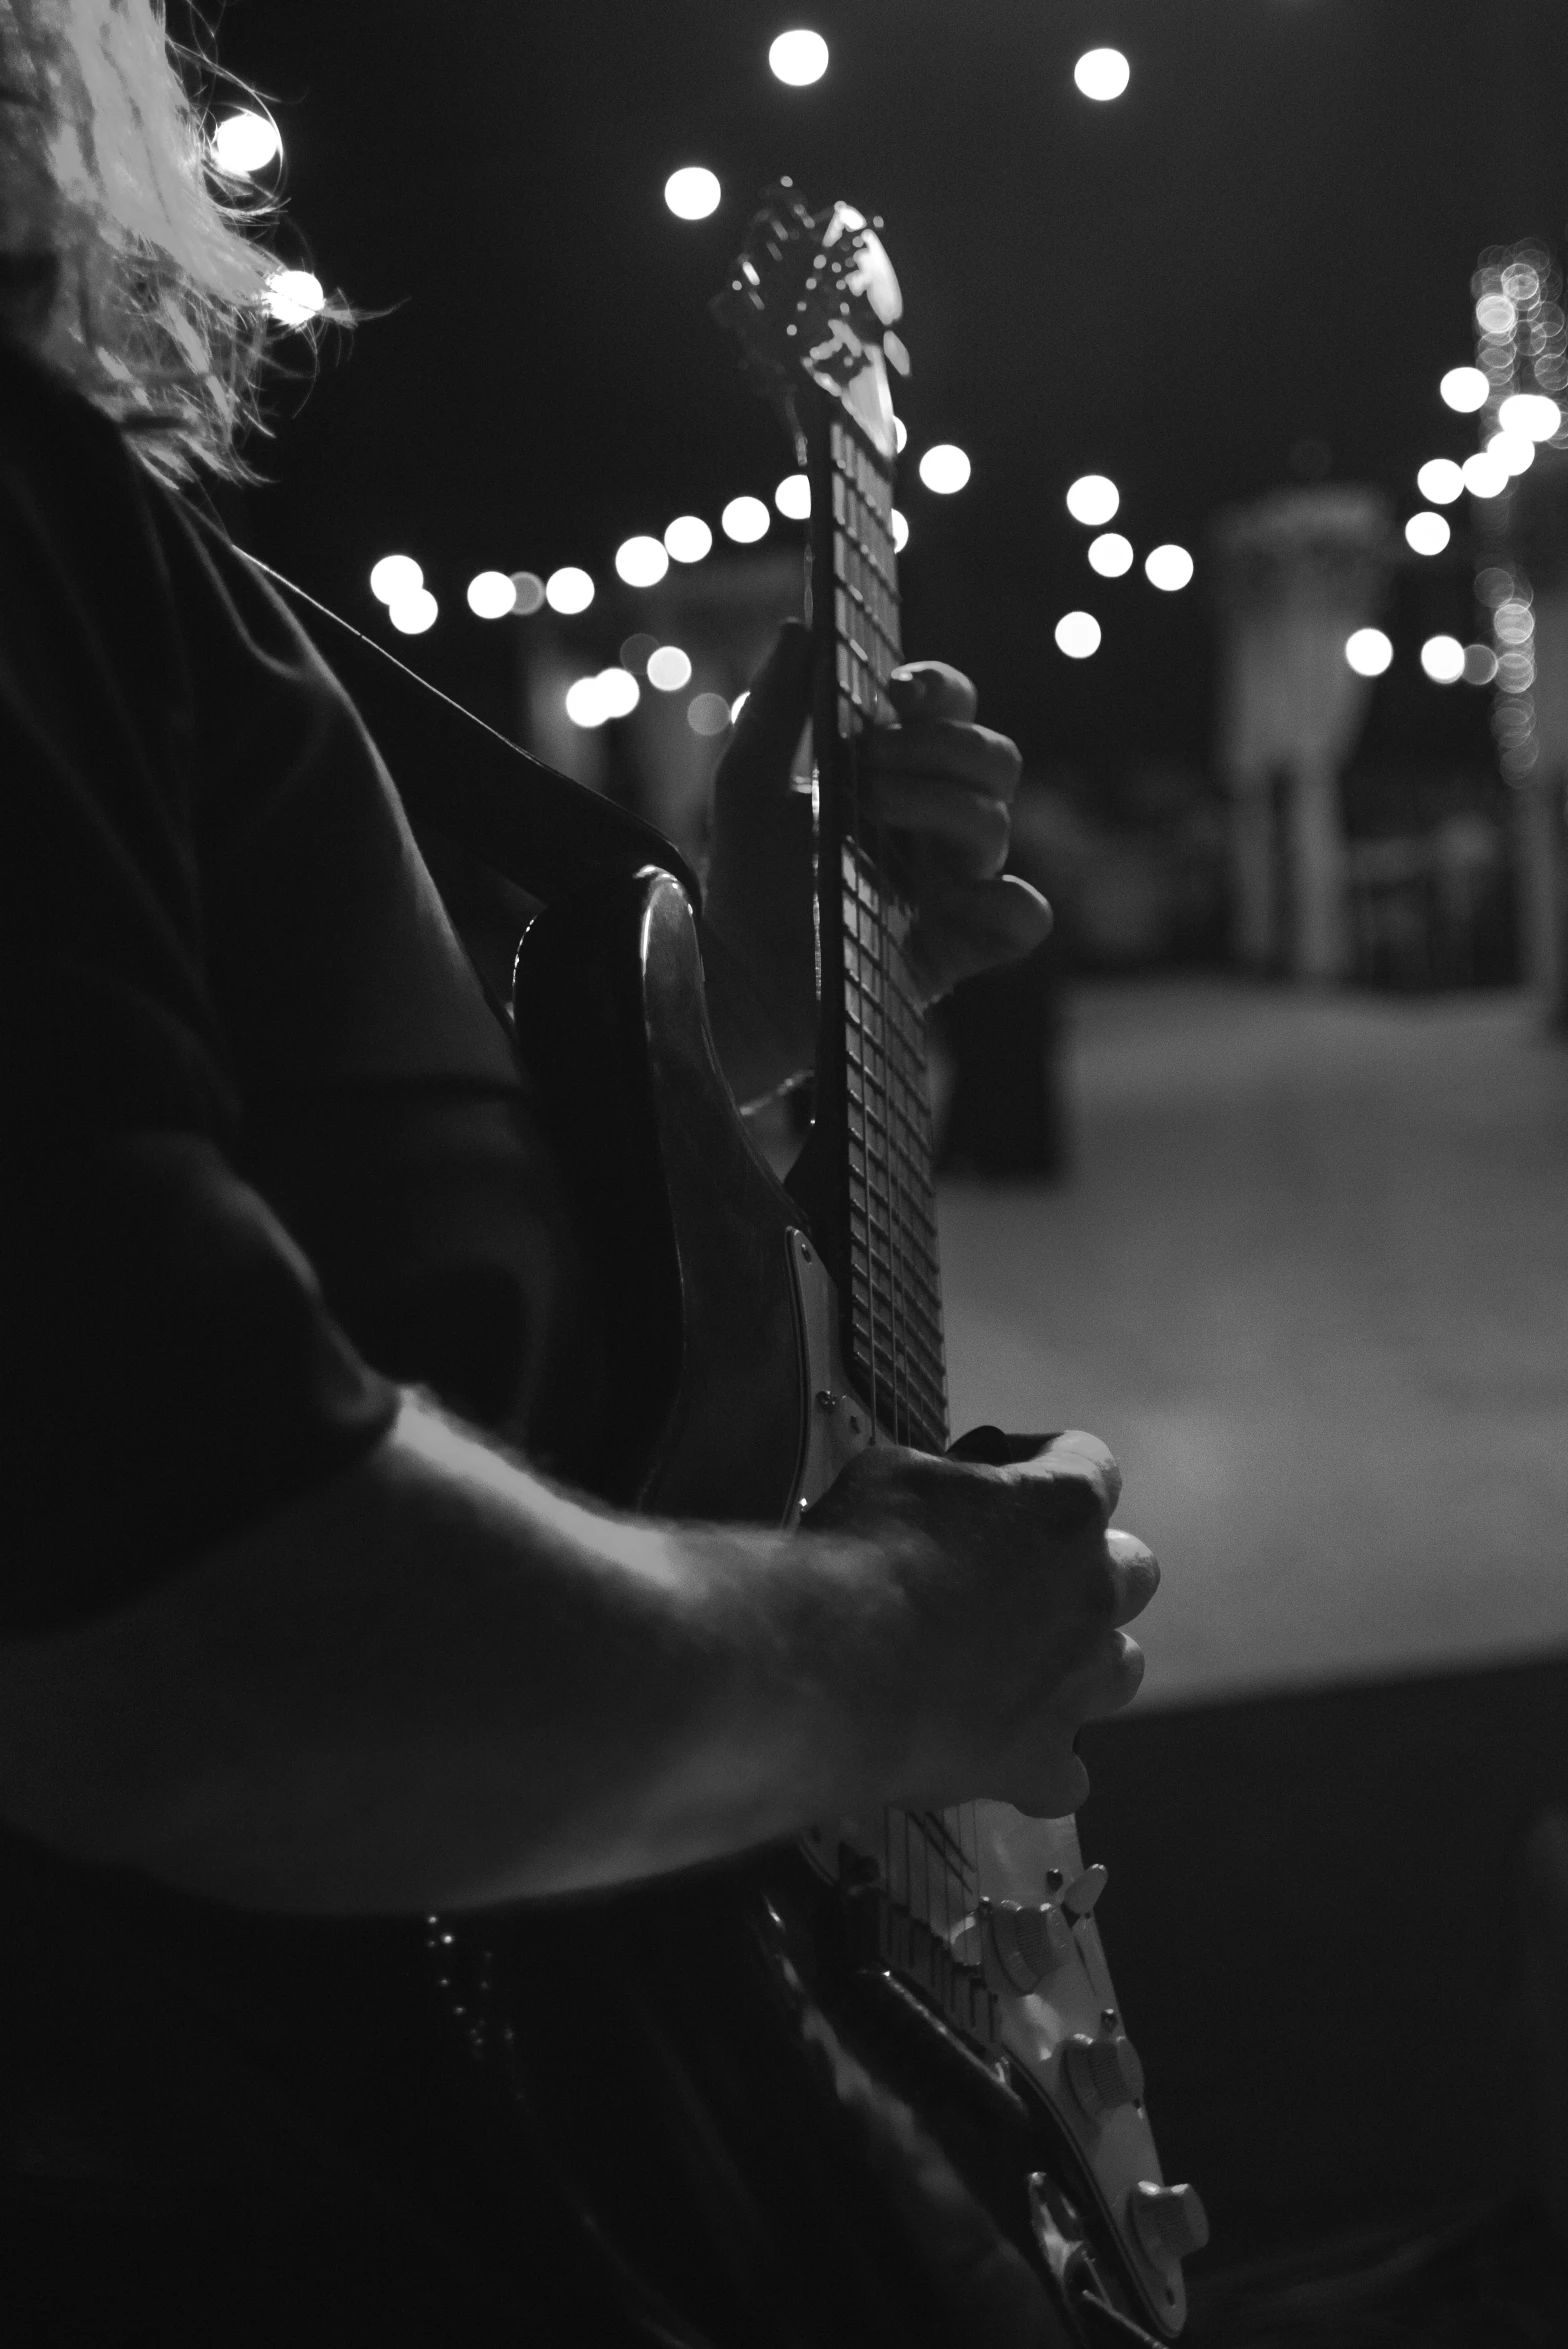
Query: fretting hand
point(942, 784)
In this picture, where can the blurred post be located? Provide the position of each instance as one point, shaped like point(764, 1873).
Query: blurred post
point(1298, 572)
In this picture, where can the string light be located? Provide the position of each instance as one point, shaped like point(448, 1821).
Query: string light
point(1426, 534)
point(1443, 659)
point(900, 532)
point(1078, 635)
point(1440, 481)
point(944, 469)
point(708, 713)
point(688, 539)
point(1530, 414)
point(692, 193)
point(1368, 651)
point(1512, 451)
point(799, 58)
point(1110, 554)
point(395, 576)
point(641, 562)
point(668, 669)
point(245, 143)
point(793, 497)
point(1168, 567)
point(491, 595)
point(529, 589)
point(1102, 74)
point(295, 297)
point(745, 520)
point(618, 692)
point(568, 590)
point(413, 613)
point(1093, 499)
point(1484, 477)
point(1464, 389)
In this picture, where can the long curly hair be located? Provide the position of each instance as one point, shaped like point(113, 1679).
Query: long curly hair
point(128, 263)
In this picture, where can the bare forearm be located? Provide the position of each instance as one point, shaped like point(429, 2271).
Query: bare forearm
point(439, 1683)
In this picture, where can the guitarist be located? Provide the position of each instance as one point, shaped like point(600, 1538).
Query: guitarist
point(299, 1641)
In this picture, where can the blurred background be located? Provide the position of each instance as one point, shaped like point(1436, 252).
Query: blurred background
point(1235, 476)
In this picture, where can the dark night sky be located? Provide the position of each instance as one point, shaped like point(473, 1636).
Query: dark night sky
point(1269, 238)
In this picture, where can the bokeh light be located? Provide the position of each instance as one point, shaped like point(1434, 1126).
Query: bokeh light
point(1110, 554)
point(1368, 651)
point(688, 538)
point(1440, 481)
point(900, 532)
point(243, 143)
point(585, 702)
point(530, 593)
point(637, 650)
point(1480, 664)
point(1093, 499)
point(491, 595)
point(1513, 622)
point(394, 576)
point(413, 613)
point(1168, 567)
point(668, 669)
point(745, 520)
point(739, 703)
point(1465, 389)
point(793, 497)
point(1443, 659)
point(799, 58)
point(692, 192)
point(618, 692)
point(568, 590)
point(1496, 315)
point(1512, 450)
point(1102, 73)
point(1078, 635)
point(708, 713)
point(944, 468)
point(1427, 534)
point(1532, 414)
point(900, 434)
point(1484, 476)
point(295, 297)
point(641, 562)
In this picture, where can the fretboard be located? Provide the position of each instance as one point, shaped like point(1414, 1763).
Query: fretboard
point(872, 1100)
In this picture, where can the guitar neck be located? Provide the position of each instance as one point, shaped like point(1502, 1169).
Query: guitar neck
point(875, 1198)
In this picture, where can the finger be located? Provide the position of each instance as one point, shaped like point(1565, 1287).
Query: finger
point(1135, 1574)
point(972, 755)
point(967, 926)
point(932, 689)
point(972, 828)
point(776, 708)
point(1052, 1790)
point(1077, 1452)
point(1111, 1682)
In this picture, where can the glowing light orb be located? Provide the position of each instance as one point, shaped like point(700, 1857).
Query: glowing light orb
point(243, 143)
point(637, 651)
point(1443, 659)
point(945, 469)
point(1512, 451)
point(1465, 389)
point(618, 693)
point(688, 538)
point(1484, 476)
point(1092, 499)
point(295, 297)
point(900, 434)
point(1495, 314)
point(1168, 568)
point(1427, 534)
point(641, 562)
point(569, 590)
point(1532, 414)
point(492, 594)
point(738, 704)
point(668, 669)
point(1110, 554)
point(529, 589)
point(1480, 664)
point(1440, 481)
point(395, 576)
point(585, 702)
point(900, 532)
point(1368, 651)
point(692, 192)
point(413, 613)
point(799, 58)
point(1102, 74)
point(708, 713)
point(1078, 635)
point(745, 520)
point(793, 497)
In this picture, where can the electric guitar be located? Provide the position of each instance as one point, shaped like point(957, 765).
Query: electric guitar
point(771, 2086)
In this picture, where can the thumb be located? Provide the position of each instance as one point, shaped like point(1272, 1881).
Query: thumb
point(776, 706)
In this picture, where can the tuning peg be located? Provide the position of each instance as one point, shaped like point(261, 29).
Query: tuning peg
point(1169, 2221)
point(1024, 1943)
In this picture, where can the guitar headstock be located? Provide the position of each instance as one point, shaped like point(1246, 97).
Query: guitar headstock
point(813, 299)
